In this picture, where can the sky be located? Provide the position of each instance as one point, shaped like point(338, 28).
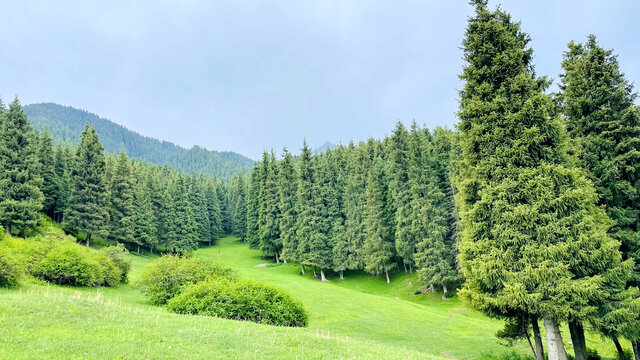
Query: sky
point(246, 76)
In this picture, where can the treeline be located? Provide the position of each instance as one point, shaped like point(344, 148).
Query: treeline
point(109, 196)
point(67, 123)
point(379, 206)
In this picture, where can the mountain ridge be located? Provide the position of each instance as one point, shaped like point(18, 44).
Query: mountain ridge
point(67, 122)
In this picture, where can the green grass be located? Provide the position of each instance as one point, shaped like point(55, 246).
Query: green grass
point(359, 318)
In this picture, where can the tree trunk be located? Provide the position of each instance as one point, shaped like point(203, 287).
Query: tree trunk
point(387, 274)
point(636, 349)
point(8, 229)
point(537, 338)
point(341, 275)
point(405, 266)
point(277, 258)
point(322, 278)
point(555, 347)
point(302, 269)
point(284, 261)
point(88, 239)
point(444, 289)
point(138, 248)
point(578, 340)
point(431, 288)
point(618, 348)
point(410, 269)
point(315, 274)
point(151, 249)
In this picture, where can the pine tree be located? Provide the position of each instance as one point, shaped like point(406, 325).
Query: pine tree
point(121, 217)
point(533, 240)
point(144, 220)
point(354, 203)
point(240, 207)
point(199, 204)
point(269, 215)
point(287, 188)
point(215, 216)
point(378, 244)
point(252, 207)
point(307, 219)
point(335, 207)
point(20, 181)
point(598, 103)
point(64, 160)
point(47, 171)
point(88, 209)
point(181, 230)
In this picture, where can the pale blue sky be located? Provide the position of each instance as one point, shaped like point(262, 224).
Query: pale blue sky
point(249, 75)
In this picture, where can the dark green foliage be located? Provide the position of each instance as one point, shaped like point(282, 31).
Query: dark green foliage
point(238, 197)
point(200, 208)
point(592, 354)
point(240, 300)
point(50, 181)
point(351, 256)
point(66, 124)
point(269, 212)
point(181, 228)
point(20, 180)
point(71, 264)
point(253, 195)
point(89, 201)
point(118, 254)
point(167, 277)
point(63, 168)
point(144, 217)
point(121, 211)
point(287, 188)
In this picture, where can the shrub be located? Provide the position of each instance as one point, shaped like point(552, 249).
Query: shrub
point(10, 269)
point(118, 254)
point(240, 300)
point(165, 278)
point(592, 354)
point(72, 264)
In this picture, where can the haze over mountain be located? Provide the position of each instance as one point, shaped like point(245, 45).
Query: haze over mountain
point(66, 124)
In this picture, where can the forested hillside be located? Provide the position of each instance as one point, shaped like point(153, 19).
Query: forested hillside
point(67, 123)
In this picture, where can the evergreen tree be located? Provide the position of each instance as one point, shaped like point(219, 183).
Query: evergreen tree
point(47, 171)
point(307, 219)
point(181, 230)
point(89, 203)
point(215, 215)
point(533, 240)
point(378, 244)
point(287, 188)
point(121, 209)
point(20, 181)
point(64, 160)
point(598, 103)
point(269, 214)
point(199, 205)
point(252, 207)
point(354, 203)
point(240, 206)
point(144, 220)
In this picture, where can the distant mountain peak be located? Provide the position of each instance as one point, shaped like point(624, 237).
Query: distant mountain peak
point(66, 124)
point(323, 147)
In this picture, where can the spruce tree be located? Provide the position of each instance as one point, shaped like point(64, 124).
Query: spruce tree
point(252, 207)
point(88, 209)
point(64, 161)
point(121, 217)
point(598, 103)
point(378, 249)
point(533, 240)
point(181, 229)
point(287, 188)
point(269, 214)
point(144, 228)
point(240, 207)
point(354, 203)
point(49, 176)
point(199, 204)
point(20, 181)
point(308, 216)
point(215, 215)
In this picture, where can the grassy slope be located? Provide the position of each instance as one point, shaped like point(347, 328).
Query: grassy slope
point(360, 317)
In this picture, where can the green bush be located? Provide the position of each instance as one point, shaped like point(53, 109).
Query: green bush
point(10, 269)
point(72, 264)
point(118, 254)
point(166, 278)
point(240, 300)
point(592, 354)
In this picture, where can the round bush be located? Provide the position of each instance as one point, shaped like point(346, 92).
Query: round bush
point(75, 265)
point(10, 269)
point(165, 278)
point(240, 300)
point(118, 254)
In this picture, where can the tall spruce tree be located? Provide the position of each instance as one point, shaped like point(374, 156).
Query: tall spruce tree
point(88, 209)
point(598, 103)
point(64, 160)
point(49, 176)
point(20, 181)
point(307, 210)
point(287, 188)
point(199, 205)
point(253, 198)
point(181, 230)
point(215, 215)
point(533, 240)
point(269, 214)
point(378, 249)
point(354, 204)
point(121, 217)
point(144, 220)
point(240, 206)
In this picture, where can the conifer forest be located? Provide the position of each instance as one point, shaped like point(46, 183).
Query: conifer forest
point(512, 234)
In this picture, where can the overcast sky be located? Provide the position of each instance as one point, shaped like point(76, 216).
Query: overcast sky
point(248, 75)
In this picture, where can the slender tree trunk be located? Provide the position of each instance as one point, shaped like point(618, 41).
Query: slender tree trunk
point(322, 278)
point(539, 353)
point(277, 258)
point(578, 340)
point(151, 249)
point(387, 274)
point(8, 229)
point(284, 261)
point(431, 288)
point(555, 347)
point(636, 349)
point(410, 269)
point(405, 266)
point(341, 275)
point(88, 239)
point(302, 270)
point(618, 348)
point(315, 274)
point(533, 351)
point(138, 248)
